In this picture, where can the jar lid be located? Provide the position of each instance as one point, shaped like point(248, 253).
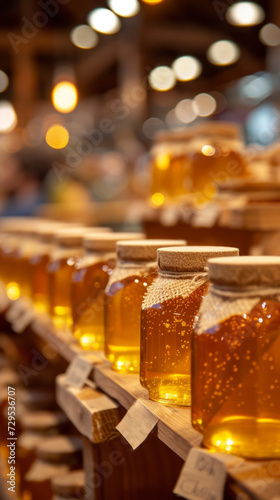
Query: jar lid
point(224, 129)
point(59, 448)
point(73, 236)
point(188, 259)
point(48, 231)
point(245, 271)
point(144, 250)
point(107, 242)
point(70, 484)
point(22, 225)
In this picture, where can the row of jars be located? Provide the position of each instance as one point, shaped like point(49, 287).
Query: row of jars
point(150, 305)
point(190, 163)
point(194, 163)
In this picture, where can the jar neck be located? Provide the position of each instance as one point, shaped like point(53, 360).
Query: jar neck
point(182, 275)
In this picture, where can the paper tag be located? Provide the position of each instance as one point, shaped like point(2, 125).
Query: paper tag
point(25, 319)
point(78, 371)
point(137, 424)
point(14, 311)
point(206, 217)
point(203, 477)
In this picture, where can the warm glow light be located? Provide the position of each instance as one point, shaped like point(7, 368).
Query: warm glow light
point(84, 37)
point(185, 111)
point(104, 21)
point(208, 150)
point(157, 199)
point(162, 78)
point(125, 8)
point(13, 291)
point(270, 35)
point(152, 2)
point(223, 53)
point(151, 126)
point(186, 68)
point(64, 97)
point(4, 81)
point(204, 104)
point(245, 14)
point(8, 117)
point(162, 161)
point(57, 137)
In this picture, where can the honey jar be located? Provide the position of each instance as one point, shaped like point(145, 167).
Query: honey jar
point(135, 270)
point(67, 250)
point(171, 165)
point(236, 362)
point(169, 311)
point(217, 154)
point(39, 262)
point(89, 280)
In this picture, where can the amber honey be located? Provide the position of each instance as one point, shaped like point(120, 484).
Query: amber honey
point(236, 372)
point(170, 165)
point(60, 269)
point(217, 154)
point(40, 282)
point(166, 348)
point(169, 312)
point(89, 281)
point(135, 271)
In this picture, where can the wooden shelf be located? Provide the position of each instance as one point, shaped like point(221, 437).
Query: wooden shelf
point(260, 480)
point(94, 414)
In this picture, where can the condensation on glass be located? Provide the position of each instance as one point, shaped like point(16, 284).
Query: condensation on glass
point(236, 363)
point(89, 280)
point(169, 311)
point(135, 270)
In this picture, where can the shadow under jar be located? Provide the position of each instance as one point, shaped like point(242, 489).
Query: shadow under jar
point(136, 268)
point(169, 311)
point(236, 358)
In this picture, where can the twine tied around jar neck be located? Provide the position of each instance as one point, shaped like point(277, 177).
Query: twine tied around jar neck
point(244, 291)
point(193, 276)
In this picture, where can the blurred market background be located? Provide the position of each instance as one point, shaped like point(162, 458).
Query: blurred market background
point(94, 95)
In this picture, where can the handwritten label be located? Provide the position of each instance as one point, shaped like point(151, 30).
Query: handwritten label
point(202, 478)
point(137, 424)
point(78, 371)
point(20, 314)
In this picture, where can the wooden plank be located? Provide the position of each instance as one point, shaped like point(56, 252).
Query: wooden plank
point(93, 413)
point(174, 427)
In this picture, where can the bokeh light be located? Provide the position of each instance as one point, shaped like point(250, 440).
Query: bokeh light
point(157, 199)
point(245, 14)
point(64, 97)
point(208, 150)
point(84, 37)
point(151, 126)
point(13, 291)
point(4, 81)
point(57, 137)
point(270, 35)
point(204, 104)
point(125, 8)
point(223, 53)
point(185, 111)
point(8, 116)
point(162, 78)
point(152, 2)
point(186, 68)
point(104, 21)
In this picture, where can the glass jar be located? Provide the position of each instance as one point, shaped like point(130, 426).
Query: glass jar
point(135, 270)
point(39, 262)
point(171, 166)
point(216, 154)
point(89, 280)
point(67, 250)
point(169, 310)
point(236, 360)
